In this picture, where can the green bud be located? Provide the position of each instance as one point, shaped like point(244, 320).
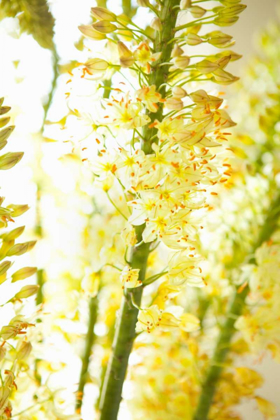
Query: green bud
point(225, 21)
point(219, 39)
point(185, 4)
point(104, 26)
point(13, 234)
point(89, 32)
point(193, 39)
point(206, 66)
point(230, 11)
point(197, 11)
point(156, 24)
point(8, 332)
point(3, 144)
point(23, 273)
point(20, 249)
point(100, 13)
point(182, 61)
point(4, 109)
point(4, 121)
point(18, 209)
point(5, 134)
point(24, 350)
point(27, 291)
point(223, 77)
point(96, 66)
point(9, 160)
point(2, 353)
point(143, 3)
point(4, 267)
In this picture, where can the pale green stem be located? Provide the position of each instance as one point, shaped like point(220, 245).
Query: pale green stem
point(228, 330)
point(125, 329)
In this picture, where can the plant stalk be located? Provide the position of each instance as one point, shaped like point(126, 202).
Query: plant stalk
point(125, 328)
point(215, 369)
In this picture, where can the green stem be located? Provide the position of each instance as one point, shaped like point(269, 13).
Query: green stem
point(125, 328)
point(90, 337)
point(228, 330)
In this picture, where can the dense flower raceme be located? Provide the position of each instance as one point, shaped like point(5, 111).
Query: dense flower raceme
point(14, 344)
point(169, 188)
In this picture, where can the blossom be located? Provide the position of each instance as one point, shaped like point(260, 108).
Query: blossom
point(125, 114)
point(130, 277)
point(150, 97)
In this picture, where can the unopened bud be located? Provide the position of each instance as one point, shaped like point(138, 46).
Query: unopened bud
point(223, 77)
point(219, 39)
point(225, 21)
point(206, 66)
point(126, 62)
point(100, 13)
point(18, 209)
point(89, 32)
point(24, 350)
point(5, 134)
point(174, 104)
point(2, 353)
point(8, 331)
point(143, 3)
point(104, 26)
point(23, 273)
point(4, 121)
point(9, 160)
point(197, 11)
point(177, 51)
point(231, 11)
point(182, 62)
point(96, 66)
point(156, 24)
point(13, 234)
point(193, 39)
point(199, 96)
point(27, 291)
point(185, 4)
point(20, 249)
point(179, 92)
point(4, 267)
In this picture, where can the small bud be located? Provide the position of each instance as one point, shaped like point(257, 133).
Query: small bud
point(143, 3)
point(182, 62)
point(230, 11)
point(104, 27)
point(100, 13)
point(4, 121)
point(179, 92)
point(177, 51)
point(96, 66)
point(199, 96)
point(219, 39)
point(206, 66)
point(2, 353)
point(18, 209)
point(3, 144)
point(233, 55)
point(174, 104)
point(9, 160)
point(4, 109)
point(5, 134)
point(197, 11)
point(193, 39)
point(4, 267)
point(223, 77)
point(156, 24)
point(225, 21)
point(8, 331)
point(126, 62)
point(89, 32)
point(23, 273)
point(20, 249)
point(13, 234)
point(126, 56)
point(185, 4)
point(27, 291)
point(24, 350)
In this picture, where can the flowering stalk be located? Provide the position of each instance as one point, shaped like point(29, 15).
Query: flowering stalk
point(125, 330)
point(228, 329)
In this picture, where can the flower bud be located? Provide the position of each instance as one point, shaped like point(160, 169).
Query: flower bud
point(5, 134)
point(89, 32)
point(177, 51)
point(185, 4)
point(206, 66)
point(219, 39)
point(179, 92)
point(4, 267)
point(96, 66)
point(100, 13)
point(27, 291)
point(8, 331)
point(174, 103)
point(182, 62)
point(24, 350)
point(156, 24)
point(126, 62)
point(13, 234)
point(2, 353)
point(9, 160)
point(104, 27)
point(20, 249)
point(193, 39)
point(231, 11)
point(225, 21)
point(143, 3)
point(197, 11)
point(23, 273)
point(199, 96)
point(223, 77)
point(18, 209)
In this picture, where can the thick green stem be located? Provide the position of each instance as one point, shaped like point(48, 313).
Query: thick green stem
point(125, 329)
point(90, 337)
point(227, 332)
